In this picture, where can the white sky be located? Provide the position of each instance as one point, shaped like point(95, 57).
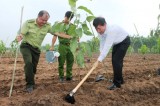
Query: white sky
point(126, 13)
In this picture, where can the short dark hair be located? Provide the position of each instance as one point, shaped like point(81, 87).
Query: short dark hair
point(69, 14)
point(42, 12)
point(99, 21)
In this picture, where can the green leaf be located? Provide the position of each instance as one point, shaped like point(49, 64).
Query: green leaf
point(79, 32)
point(59, 27)
point(85, 27)
point(88, 33)
point(71, 30)
point(85, 9)
point(88, 49)
point(76, 22)
point(90, 18)
point(72, 3)
point(77, 16)
point(83, 47)
point(80, 59)
point(74, 45)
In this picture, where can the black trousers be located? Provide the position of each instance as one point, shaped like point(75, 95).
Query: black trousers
point(118, 53)
point(31, 57)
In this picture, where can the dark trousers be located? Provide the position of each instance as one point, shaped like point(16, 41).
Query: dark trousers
point(65, 55)
point(118, 54)
point(31, 57)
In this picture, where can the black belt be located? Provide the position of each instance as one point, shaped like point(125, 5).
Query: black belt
point(65, 43)
point(31, 45)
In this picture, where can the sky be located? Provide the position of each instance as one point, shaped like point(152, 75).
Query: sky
point(125, 13)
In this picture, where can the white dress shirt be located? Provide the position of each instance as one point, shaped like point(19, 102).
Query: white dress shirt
point(112, 36)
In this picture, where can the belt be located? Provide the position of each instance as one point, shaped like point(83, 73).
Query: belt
point(65, 44)
point(31, 45)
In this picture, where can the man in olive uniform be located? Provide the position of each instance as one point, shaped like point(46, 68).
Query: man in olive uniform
point(33, 32)
point(64, 50)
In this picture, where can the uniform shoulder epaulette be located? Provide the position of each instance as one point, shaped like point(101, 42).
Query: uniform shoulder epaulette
point(31, 20)
point(60, 22)
point(48, 23)
point(71, 24)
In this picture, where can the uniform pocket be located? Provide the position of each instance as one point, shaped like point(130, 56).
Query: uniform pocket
point(32, 31)
point(43, 33)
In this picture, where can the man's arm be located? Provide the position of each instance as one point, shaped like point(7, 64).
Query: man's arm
point(22, 31)
point(106, 47)
point(53, 42)
point(63, 35)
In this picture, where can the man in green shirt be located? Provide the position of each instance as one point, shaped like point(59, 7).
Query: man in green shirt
point(33, 32)
point(64, 49)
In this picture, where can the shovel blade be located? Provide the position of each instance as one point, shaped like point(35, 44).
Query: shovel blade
point(70, 99)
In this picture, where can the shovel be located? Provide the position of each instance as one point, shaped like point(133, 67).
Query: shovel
point(70, 98)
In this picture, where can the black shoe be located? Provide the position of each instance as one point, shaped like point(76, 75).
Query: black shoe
point(29, 89)
point(158, 71)
point(113, 86)
point(122, 82)
point(34, 86)
point(69, 79)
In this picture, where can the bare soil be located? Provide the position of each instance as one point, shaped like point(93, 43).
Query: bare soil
point(141, 87)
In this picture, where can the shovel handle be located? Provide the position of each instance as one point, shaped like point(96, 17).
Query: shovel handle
point(80, 83)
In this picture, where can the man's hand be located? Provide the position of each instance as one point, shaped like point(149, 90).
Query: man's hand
point(51, 48)
point(95, 64)
point(70, 37)
point(19, 37)
point(78, 39)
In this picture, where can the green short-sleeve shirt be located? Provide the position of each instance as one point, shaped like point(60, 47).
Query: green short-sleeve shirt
point(34, 35)
point(68, 29)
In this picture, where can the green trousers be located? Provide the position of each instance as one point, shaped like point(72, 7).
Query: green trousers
point(65, 55)
point(31, 57)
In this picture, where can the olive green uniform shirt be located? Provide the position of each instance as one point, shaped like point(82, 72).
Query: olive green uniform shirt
point(33, 34)
point(66, 29)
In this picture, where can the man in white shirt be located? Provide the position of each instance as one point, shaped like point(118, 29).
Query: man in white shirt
point(118, 38)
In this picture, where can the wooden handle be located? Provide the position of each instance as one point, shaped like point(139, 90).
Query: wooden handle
point(76, 88)
point(15, 62)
